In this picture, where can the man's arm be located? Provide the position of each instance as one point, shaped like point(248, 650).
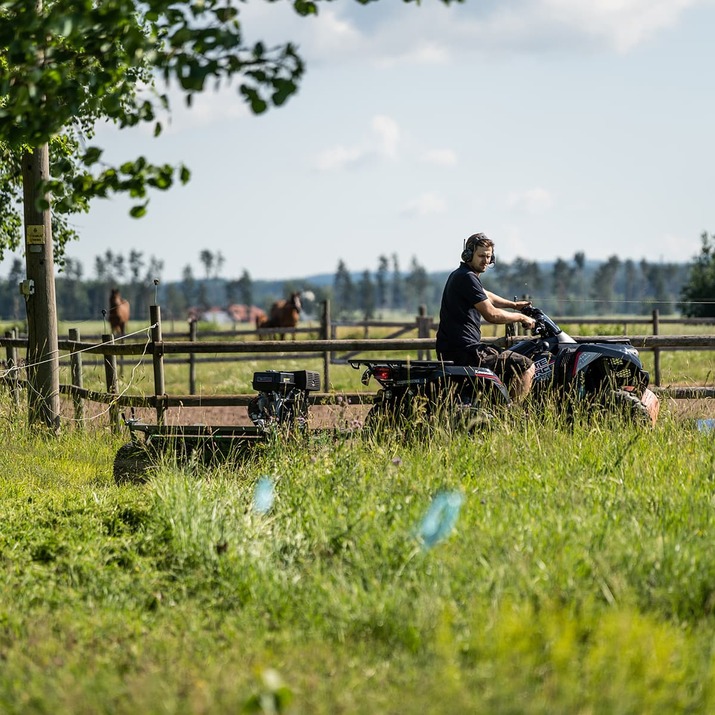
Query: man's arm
point(499, 302)
point(495, 314)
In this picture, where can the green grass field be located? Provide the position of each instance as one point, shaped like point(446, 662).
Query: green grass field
point(578, 576)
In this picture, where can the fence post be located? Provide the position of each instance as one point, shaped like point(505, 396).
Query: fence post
point(77, 379)
point(158, 359)
point(192, 357)
point(429, 328)
point(656, 351)
point(325, 334)
point(422, 329)
point(12, 368)
point(110, 373)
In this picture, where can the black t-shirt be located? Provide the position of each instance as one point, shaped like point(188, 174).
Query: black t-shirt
point(460, 324)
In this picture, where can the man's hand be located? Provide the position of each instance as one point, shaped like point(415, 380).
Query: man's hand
point(527, 322)
point(521, 304)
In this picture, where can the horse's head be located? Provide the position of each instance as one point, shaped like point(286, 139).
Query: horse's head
point(295, 301)
point(114, 296)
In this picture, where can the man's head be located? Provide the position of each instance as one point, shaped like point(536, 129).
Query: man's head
point(478, 252)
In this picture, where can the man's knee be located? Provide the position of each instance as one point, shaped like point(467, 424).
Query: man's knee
point(520, 384)
point(528, 377)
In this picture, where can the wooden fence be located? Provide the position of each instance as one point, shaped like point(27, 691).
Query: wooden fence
point(160, 350)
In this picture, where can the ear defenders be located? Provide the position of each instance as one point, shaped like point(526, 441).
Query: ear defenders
point(470, 246)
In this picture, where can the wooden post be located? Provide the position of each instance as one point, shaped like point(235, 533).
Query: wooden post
point(158, 356)
point(77, 379)
point(421, 312)
point(325, 334)
point(110, 372)
point(429, 329)
point(43, 363)
point(13, 379)
point(656, 351)
point(192, 357)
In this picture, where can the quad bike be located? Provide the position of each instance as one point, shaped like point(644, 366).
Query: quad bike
point(281, 407)
point(603, 376)
point(418, 391)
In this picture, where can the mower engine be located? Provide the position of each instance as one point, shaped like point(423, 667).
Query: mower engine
point(282, 397)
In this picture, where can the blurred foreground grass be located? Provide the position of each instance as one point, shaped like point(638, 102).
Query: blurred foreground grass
point(579, 575)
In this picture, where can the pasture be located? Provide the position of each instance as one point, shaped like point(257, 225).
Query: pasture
point(678, 368)
point(682, 367)
point(579, 575)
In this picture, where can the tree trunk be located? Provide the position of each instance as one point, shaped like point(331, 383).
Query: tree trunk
point(39, 290)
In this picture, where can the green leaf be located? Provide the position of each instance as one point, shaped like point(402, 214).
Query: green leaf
point(224, 14)
point(193, 80)
point(258, 105)
point(91, 155)
point(138, 211)
point(283, 90)
point(305, 7)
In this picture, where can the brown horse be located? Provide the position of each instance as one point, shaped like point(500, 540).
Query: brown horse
point(118, 313)
point(283, 314)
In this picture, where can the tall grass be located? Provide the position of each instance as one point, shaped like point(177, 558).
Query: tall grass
point(579, 576)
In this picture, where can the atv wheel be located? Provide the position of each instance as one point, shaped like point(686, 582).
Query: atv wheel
point(408, 413)
point(475, 419)
point(381, 415)
point(131, 464)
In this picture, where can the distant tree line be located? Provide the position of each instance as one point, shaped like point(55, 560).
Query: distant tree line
point(564, 287)
point(698, 293)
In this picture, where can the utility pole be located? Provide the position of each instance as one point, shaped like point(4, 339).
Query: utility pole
point(43, 365)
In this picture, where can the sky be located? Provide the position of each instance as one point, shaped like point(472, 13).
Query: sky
point(555, 126)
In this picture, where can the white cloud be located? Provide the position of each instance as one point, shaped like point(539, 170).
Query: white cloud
point(531, 201)
point(339, 157)
point(510, 243)
point(383, 35)
point(392, 33)
point(388, 135)
point(427, 203)
point(422, 53)
point(331, 34)
point(623, 24)
point(207, 108)
point(381, 142)
point(440, 157)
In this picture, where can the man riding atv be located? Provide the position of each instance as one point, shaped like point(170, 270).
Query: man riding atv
point(465, 303)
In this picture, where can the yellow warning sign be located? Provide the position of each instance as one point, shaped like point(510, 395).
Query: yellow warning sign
point(35, 235)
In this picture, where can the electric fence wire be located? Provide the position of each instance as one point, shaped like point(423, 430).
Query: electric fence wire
point(130, 383)
point(621, 301)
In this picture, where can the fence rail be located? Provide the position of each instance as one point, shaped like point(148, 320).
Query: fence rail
point(158, 349)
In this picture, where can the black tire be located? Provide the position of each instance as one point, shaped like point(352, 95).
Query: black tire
point(392, 416)
point(472, 419)
point(378, 417)
point(131, 464)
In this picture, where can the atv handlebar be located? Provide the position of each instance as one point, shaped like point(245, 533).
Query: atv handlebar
point(544, 327)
